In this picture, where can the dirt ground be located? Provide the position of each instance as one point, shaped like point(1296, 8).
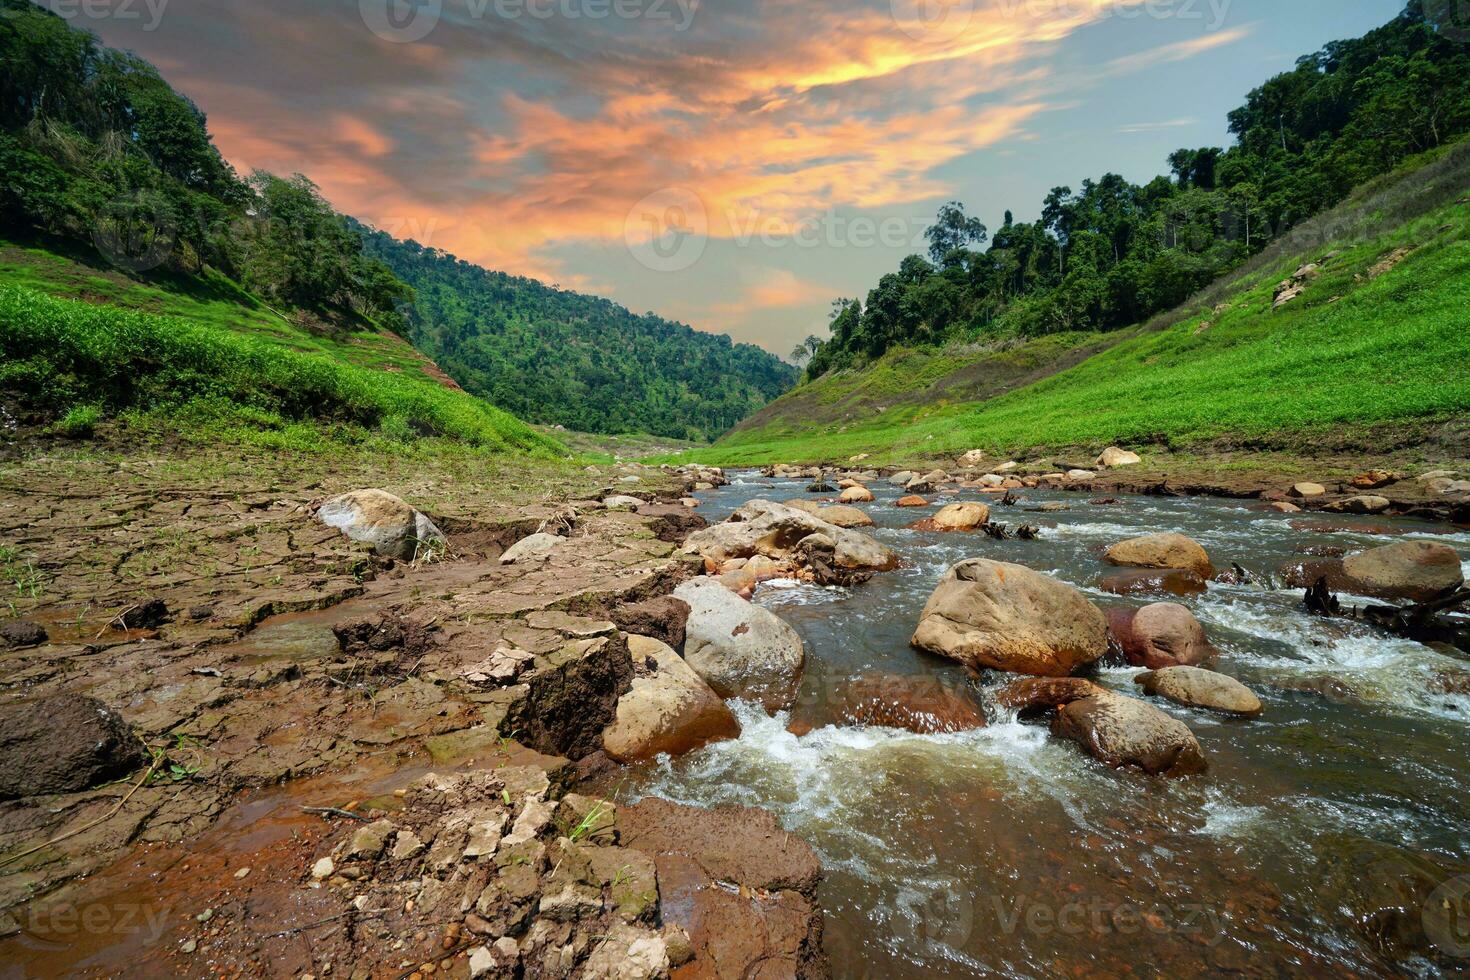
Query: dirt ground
point(271, 664)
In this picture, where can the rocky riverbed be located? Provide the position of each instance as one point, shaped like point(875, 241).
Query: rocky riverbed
point(421, 722)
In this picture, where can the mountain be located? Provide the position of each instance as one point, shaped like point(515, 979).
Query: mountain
point(559, 357)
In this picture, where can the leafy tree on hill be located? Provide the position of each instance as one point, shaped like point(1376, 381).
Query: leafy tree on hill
point(1113, 253)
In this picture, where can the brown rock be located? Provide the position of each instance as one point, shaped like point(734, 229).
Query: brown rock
point(988, 614)
point(662, 618)
point(1196, 688)
point(913, 500)
point(1122, 732)
point(1164, 634)
point(845, 517)
point(1173, 581)
point(924, 705)
point(1307, 490)
point(856, 495)
point(669, 709)
point(1161, 551)
point(63, 743)
point(1033, 695)
point(961, 517)
point(1413, 570)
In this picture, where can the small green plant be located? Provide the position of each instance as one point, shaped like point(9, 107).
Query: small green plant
point(22, 574)
point(79, 422)
point(589, 822)
point(178, 762)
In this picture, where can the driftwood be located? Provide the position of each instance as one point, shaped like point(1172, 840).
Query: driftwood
point(1421, 621)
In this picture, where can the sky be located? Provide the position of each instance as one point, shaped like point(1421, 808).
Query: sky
point(732, 164)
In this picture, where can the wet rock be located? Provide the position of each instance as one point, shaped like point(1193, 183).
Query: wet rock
point(741, 650)
point(856, 495)
point(63, 743)
point(1307, 490)
point(662, 618)
point(848, 517)
point(1366, 504)
point(806, 506)
point(913, 500)
point(902, 478)
point(670, 709)
point(1404, 903)
point(145, 615)
point(993, 615)
point(1172, 581)
point(957, 517)
point(391, 526)
point(923, 705)
point(571, 695)
point(1282, 507)
point(1113, 457)
point(1164, 634)
point(742, 888)
point(821, 487)
point(774, 530)
point(1196, 688)
point(1414, 570)
point(1123, 732)
point(1039, 695)
point(22, 633)
point(1168, 550)
point(536, 547)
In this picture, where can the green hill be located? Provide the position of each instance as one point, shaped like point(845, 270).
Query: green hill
point(565, 358)
point(1378, 338)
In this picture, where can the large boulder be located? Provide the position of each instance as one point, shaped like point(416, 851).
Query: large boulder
point(1196, 688)
point(1168, 550)
point(669, 709)
point(845, 517)
point(775, 530)
point(989, 614)
point(740, 649)
point(902, 478)
point(1122, 731)
point(1161, 635)
point(376, 517)
point(1414, 570)
point(63, 743)
point(856, 495)
point(1113, 457)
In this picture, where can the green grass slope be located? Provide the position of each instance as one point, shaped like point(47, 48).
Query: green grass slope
point(1364, 346)
point(198, 359)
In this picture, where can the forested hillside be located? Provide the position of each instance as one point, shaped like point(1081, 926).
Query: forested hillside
point(566, 358)
point(1111, 253)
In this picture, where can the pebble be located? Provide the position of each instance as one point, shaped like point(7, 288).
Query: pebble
point(189, 946)
point(323, 868)
point(242, 872)
point(204, 916)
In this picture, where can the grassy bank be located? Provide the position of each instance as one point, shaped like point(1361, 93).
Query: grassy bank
point(1366, 345)
point(82, 363)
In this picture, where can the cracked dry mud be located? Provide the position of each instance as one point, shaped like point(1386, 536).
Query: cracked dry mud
point(293, 668)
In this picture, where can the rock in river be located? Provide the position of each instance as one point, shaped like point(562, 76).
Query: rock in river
point(741, 650)
point(959, 517)
point(1169, 550)
point(1123, 731)
point(1413, 570)
point(848, 517)
point(1196, 688)
point(1161, 635)
point(989, 614)
point(64, 743)
point(774, 530)
point(856, 495)
point(392, 527)
point(670, 709)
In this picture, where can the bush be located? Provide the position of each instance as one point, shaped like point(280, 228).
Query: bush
point(79, 422)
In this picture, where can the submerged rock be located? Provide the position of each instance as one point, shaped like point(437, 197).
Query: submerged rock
point(741, 650)
point(669, 709)
point(1033, 695)
point(988, 614)
point(1154, 581)
point(1169, 550)
point(1196, 688)
point(923, 705)
point(378, 518)
point(1161, 635)
point(1122, 731)
point(64, 743)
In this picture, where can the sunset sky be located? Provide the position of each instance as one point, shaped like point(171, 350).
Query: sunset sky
point(797, 148)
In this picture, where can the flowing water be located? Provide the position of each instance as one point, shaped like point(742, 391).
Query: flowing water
point(1310, 848)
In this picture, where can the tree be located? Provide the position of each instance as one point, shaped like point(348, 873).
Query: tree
point(952, 230)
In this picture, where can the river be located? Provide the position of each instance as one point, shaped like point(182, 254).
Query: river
point(1309, 848)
